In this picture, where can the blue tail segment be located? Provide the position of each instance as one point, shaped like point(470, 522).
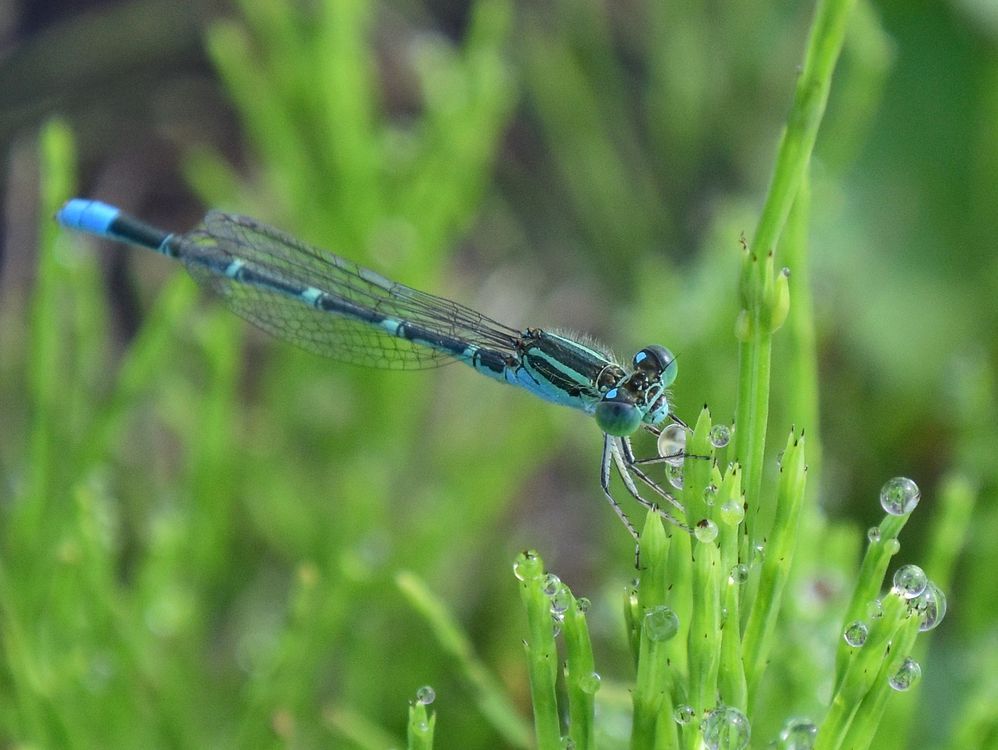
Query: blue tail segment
point(108, 221)
point(88, 216)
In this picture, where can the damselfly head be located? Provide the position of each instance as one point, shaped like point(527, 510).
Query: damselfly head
point(639, 397)
point(660, 366)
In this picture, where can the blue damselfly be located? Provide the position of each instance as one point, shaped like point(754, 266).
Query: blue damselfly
point(329, 305)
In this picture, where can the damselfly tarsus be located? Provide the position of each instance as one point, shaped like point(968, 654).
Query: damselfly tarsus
point(331, 306)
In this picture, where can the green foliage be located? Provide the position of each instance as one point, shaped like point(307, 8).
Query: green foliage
point(201, 532)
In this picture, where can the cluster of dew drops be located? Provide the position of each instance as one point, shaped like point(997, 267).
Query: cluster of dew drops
point(559, 600)
point(725, 727)
point(898, 497)
point(672, 448)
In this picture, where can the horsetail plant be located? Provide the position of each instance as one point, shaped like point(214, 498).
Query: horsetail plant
point(698, 670)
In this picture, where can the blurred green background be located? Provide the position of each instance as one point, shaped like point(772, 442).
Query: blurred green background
point(201, 527)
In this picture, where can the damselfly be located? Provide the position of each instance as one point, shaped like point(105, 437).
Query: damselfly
point(329, 305)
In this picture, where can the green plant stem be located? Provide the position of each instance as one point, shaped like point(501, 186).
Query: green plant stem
point(654, 582)
point(420, 730)
point(868, 582)
point(697, 472)
point(705, 626)
point(802, 386)
point(654, 681)
point(680, 598)
point(865, 664)
point(666, 729)
point(951, 520)
point(732, 686)
point(779, 555)
point(729, 491)
point(761, 301)
point(651, 687)
point(751, 413)
point(863, 728)
point(581, 679)
point(542, 657)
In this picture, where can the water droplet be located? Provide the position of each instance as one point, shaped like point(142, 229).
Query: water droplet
point(855, 633)
point(899, 496)
point(672, 443)
point(684, 714)
point(561, 600)
point(551, 584)
point(674, 474)
point(732, 512)
point(661, 623)
point(910, 581)
point(426, 695)
point(892, 546)
point(705, 530)
point(739, 573)
point(526, 567)
point(875, 609)
point(726, 728)
point(556, 629)
point(873, 534)
point(590, 683)
point(423, 727)
point(720, 435)
point(931, 606)
point(779, 460)
point(583, 604)
point(709, 493)
point(798, 734)
point(909, 673)
point(567, 743)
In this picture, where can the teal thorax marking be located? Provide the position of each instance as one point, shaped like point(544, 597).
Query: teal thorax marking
point(574, 374)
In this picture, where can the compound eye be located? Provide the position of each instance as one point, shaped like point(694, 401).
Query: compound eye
point(669, 373)
point(658, 360)
point(617, 415)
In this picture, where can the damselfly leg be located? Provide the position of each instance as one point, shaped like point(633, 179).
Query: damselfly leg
point(617, 451)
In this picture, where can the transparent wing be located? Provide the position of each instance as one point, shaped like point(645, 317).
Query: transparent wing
point(270, 253)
